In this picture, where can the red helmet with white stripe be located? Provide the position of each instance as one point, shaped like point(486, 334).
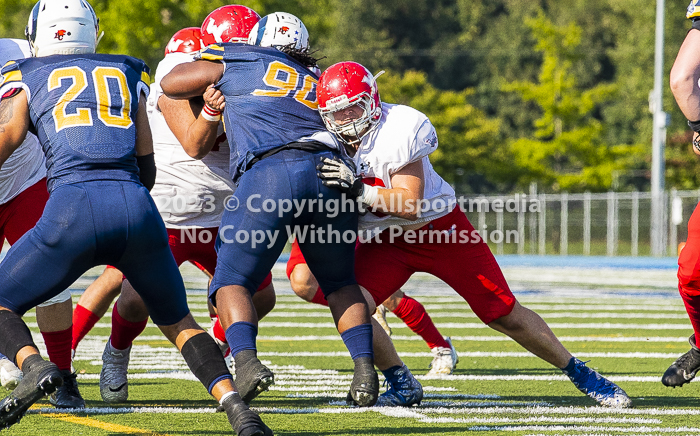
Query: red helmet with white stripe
point(187, 40)
point(231, 23)
point(343, 85)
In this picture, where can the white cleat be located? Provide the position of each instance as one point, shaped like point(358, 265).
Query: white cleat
point(444, 359)
point(380, 316)
point(10, 375)
point(114, 386)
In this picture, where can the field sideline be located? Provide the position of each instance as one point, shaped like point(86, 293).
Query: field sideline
point(628, 333)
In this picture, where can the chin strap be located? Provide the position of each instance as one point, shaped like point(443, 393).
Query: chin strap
point(99, 38)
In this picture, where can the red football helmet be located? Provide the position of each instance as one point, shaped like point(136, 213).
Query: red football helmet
point(343, 85)
point(231, 23)
point(187, 40)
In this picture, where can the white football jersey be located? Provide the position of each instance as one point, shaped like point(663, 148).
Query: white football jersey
point(26, 165)
point(188, 192)
point(403, 136)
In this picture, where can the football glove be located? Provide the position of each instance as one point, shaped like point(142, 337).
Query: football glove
point(335, 173)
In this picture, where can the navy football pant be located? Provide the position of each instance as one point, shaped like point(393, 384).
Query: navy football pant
point(288, 175)
point(88, 224)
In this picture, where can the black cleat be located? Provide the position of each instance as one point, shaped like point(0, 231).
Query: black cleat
point(364, 389)
point(683, 370)
point(243, 420)
point(41, 379)
point(68, 396)
point(252, 377)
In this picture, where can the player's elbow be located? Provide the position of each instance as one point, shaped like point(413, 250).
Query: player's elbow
point(682, 81)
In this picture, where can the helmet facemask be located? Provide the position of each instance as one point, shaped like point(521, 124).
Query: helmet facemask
point(350, 132)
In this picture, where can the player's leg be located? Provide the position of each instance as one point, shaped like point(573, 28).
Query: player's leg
point(129, 319)
point(94, 303)
point(54, 316)
point(683, 370)
point(151, 269)
point(61, 247)
point(414, 315)
point(303, 283)
point(469, 267)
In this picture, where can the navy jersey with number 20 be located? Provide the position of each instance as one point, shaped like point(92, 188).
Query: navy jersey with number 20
point(82, 108)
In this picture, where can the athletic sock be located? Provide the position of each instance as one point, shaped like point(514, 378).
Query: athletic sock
point(319, 298)
point(692, 306)
point(241, 336)
point(83, 321)
point(124, 332)
point(58, 347)
point(417, 319)
point(358, 340)
point(218, 329)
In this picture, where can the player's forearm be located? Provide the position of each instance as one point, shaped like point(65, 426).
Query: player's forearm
point(201, 137)
point(685, 74)
point(398, 202)
point(191, 79)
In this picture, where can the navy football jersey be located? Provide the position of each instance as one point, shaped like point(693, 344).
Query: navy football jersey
point(270, 101)
point(82, 108)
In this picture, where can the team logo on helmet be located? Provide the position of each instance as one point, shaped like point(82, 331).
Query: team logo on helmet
point(60, 34)
point(283, 30)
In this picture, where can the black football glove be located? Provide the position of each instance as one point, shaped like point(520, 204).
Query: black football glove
point(336, 174)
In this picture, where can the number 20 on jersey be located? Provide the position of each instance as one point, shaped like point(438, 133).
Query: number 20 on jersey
point(111, 113)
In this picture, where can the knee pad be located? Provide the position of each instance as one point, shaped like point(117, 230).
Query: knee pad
point(60, 298)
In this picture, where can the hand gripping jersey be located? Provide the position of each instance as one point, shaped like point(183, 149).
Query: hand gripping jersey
point(25, 166)
point(270, 101)
point(82, 108)
point(188, 192)
point(402, 136)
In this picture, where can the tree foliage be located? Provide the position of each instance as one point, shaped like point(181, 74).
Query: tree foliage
point(567, 151)
point(460, 53)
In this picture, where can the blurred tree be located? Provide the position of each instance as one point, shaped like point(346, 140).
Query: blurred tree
point(567, 152)
point(470, 155)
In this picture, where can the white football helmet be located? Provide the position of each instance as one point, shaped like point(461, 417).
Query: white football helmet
point(62, 27)
point(279, 29)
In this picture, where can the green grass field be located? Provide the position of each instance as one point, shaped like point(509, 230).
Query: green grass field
point(497, 388)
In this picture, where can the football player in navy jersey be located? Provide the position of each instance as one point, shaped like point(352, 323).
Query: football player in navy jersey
point(276, 141)
point(89, 113)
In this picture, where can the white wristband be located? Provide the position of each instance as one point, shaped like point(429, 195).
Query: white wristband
point(210, 114)
point(369, 195)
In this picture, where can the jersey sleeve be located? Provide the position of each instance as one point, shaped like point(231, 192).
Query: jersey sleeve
point(693, 11)
point(145, 81)
point(12, 80)
point(418, 146)
point(214, 53)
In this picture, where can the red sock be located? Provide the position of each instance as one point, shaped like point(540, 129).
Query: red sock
point(692, 306)
point(58, 347)
point(319, 298)
point(124, 332)
point(417, 319)
point(219, 330)
point(83, 321)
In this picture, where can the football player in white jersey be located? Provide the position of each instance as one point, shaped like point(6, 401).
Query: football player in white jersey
point(414, 221)
point(190, 194)
point(23, 196)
